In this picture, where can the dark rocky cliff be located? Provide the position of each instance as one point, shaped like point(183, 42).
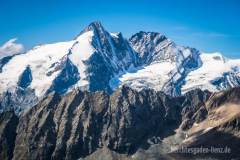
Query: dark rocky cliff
point(94, 125)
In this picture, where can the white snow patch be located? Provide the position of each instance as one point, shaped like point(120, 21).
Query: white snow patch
point(81, 51)
point(153, 76)
point(213, 66)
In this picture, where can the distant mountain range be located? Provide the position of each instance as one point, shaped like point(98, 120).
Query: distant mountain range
point(97, 60)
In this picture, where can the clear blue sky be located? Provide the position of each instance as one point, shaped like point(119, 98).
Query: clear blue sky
point(209, 25)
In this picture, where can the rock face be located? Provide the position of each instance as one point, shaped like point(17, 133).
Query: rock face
point(194, 110)
point(76, 125)
point(89, 125)
point(8, 125)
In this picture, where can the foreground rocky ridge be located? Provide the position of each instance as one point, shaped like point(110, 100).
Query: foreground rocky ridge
point(125, 125)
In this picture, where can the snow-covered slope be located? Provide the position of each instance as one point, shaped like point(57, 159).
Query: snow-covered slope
point(99, 60)
point(216, 73)
point(39, 60)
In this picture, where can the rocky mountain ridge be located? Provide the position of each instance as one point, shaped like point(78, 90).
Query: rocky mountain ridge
point(127, 124)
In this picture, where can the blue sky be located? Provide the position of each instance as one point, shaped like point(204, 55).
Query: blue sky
point(208, 25)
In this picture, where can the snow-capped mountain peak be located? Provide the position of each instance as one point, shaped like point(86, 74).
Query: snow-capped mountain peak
point(95, 27)
point(88, 62)
point(99, 60)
